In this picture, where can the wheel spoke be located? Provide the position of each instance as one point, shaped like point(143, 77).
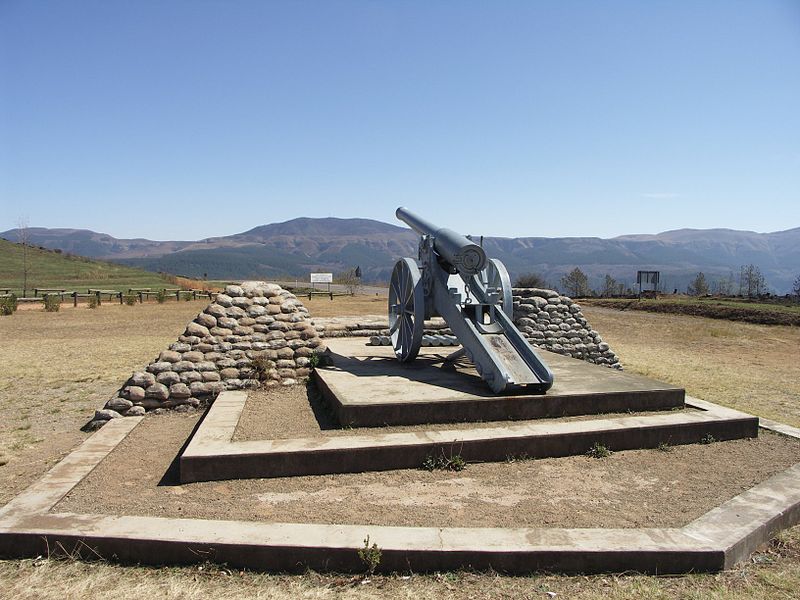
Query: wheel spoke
point(395, 289)
point(408, 288)
point(408, 329)
point(403, 337)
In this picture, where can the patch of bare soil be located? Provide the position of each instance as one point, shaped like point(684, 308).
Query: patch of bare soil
point(640, 488)
point(301, 411)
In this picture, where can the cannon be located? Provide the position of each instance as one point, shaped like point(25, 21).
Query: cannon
point(454, 279)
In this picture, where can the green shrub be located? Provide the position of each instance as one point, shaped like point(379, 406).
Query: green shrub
point(598, 450)
point(8, 305)
point(93, 302)
point(454, 462)
point(161, 296)
point(130, 299)
point(370, 556)
point(52, 303)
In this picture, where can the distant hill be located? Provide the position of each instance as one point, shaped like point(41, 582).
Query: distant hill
point(92, 244)
point(55, 269)
point(296, 247)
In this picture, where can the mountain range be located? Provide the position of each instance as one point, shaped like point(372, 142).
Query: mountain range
point(299, 246)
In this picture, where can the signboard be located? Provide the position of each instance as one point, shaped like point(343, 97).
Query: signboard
point(321, 277)
point(648, 283)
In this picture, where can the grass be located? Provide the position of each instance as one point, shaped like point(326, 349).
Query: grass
point(50, 269)
point(443, 462)
point(773, 574)
point(750, 311)
point(321, 306)
point(73, 361)
point(749, 367)
point(598, 450)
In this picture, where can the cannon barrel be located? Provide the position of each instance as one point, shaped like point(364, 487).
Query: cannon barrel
point(461, 252)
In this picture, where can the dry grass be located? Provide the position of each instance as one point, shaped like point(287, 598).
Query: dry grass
point(773, 574)
point(749, 367)
point(323, 306)
point(57, 367)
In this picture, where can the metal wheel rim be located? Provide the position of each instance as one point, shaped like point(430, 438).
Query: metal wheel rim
point(406, 309)
point(496, 276)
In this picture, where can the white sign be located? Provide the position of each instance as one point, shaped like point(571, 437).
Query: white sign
point(321, 277)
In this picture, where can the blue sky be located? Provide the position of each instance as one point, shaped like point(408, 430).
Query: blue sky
point(181, 120)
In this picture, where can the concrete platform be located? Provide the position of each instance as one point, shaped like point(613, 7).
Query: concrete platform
point(368, 387)
point(717, 540)
point(212, 455)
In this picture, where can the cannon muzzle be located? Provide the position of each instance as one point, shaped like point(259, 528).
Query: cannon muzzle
point(461, 252)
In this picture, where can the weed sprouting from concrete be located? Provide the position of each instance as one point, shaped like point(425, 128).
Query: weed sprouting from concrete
point(370, 556)
point(443, 462)
point(598, 450)
point(512, 458)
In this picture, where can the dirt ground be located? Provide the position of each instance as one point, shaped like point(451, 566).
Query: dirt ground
point(640, 488)
point(301, 411)
point(58, 367)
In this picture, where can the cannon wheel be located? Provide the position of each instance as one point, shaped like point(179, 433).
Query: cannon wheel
point(496, 276)
point(406, 309)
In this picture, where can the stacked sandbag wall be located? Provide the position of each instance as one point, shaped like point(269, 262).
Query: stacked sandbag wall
point(555, 323)
point(252, 334)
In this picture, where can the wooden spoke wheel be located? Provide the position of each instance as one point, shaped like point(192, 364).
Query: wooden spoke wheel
point(494, 275)
point(406, 309)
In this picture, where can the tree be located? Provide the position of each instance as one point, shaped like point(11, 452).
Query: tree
point(24, 238)
point(698, 286)
point(751, 282)
point(796, 288)
point(350, 280)
point(611, 287)
point(530, 280)
point(576, 283)
point(723, 286)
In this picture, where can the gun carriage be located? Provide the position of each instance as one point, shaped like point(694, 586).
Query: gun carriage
point(454, 279)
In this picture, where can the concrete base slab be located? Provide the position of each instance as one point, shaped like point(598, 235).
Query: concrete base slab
point(368, 387)
point(212, 455)
point(713, 542)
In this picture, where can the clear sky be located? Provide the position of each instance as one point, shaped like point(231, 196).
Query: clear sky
point(181, 120)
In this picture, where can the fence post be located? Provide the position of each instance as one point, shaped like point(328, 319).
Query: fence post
point(99, 299)
point(74, 299)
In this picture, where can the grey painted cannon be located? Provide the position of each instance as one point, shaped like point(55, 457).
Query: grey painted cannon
point(455, 280)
